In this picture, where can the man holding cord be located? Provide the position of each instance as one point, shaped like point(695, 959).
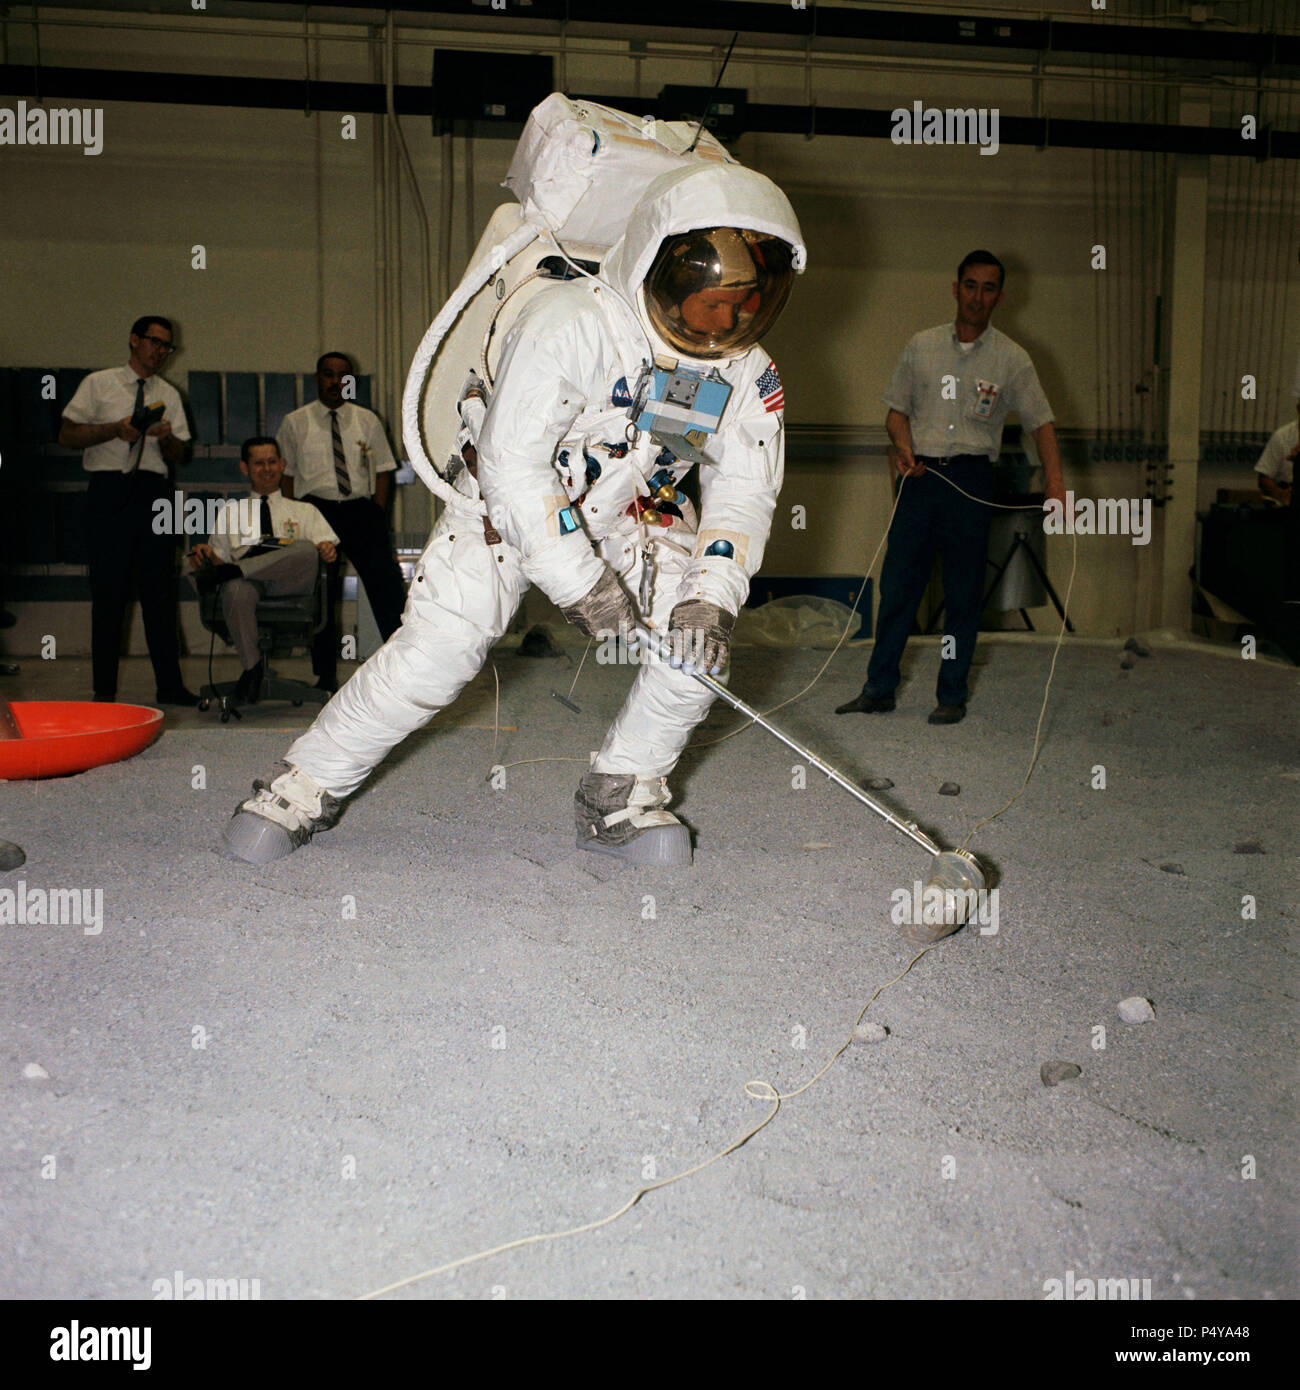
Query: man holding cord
point(948, 399)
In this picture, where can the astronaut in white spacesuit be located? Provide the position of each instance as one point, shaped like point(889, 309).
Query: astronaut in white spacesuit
point(582, 500)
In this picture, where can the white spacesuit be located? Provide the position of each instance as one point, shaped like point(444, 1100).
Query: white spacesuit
point(597, 378)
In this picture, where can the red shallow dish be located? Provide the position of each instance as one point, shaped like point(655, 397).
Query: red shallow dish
point(62, 736)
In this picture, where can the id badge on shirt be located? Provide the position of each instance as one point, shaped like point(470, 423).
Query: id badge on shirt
point(986, 399)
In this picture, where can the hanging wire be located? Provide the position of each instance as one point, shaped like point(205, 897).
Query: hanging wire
point(1097, 279)
point(1274, 366)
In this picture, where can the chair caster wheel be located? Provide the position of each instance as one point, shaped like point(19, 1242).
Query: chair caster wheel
point(225, 716)
point(297, 704)
point(204, 703)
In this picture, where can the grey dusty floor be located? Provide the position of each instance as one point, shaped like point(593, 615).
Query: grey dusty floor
point(441, 1027)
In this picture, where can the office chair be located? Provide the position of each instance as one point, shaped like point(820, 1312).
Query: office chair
point(283, 625)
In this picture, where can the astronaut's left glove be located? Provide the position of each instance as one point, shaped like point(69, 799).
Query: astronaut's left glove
point(604, 608)
point(699, 637)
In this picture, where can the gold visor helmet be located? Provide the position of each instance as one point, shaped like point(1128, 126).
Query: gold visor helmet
point(714, 291)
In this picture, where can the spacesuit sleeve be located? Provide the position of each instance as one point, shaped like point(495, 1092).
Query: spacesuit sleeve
point(738, 495)
point(539, 391)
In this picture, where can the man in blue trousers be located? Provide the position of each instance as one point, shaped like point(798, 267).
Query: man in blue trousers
point(948, 400)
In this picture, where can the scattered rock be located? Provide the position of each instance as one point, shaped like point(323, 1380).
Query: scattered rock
point(1126, 665)
point(539, 642)
point(1053, 1073)
point(1172, 868)
point(33, 1071)
point(949, 789)
point(11, 856)
point(1136, 647)
point(870, 1033)
point(1248, 847)
point(878, 784)
point(1136, 1010)
point(1108, 718)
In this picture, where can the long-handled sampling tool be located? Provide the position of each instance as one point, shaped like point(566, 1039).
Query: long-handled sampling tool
point(955, 872)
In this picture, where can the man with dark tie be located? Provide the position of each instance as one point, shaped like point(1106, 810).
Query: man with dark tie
point(336, 456)
point(263, 544)
point(131, 424)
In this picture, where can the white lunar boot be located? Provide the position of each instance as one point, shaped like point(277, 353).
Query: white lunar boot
point(280, 817)
point(624, 815)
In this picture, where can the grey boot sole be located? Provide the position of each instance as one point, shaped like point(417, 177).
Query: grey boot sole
point(665, 845)
point(256, 840)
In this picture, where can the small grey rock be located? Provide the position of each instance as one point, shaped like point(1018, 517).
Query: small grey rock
point(878, 784)
point(1248, 847)
point(33, 1071)
point(1136, 647)
point(1053, 1073)
point(870, 1033)
point(11, 856)
point(1126, 665)
point(538, 642)
point(1172, 868)
point(949, 789)
point(1136, 1009)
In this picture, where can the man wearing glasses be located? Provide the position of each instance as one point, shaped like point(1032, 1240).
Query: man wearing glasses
point(132, 426)
point(336, 456)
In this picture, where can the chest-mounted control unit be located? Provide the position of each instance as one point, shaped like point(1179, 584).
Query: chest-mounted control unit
point(680, 406)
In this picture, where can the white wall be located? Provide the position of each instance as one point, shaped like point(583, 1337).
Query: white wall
point(286, 211)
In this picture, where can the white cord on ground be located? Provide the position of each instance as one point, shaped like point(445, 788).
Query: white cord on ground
point(755, 1090)
point(1056, 651)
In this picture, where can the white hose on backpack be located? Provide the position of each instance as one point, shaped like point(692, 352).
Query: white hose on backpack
point(424, 354)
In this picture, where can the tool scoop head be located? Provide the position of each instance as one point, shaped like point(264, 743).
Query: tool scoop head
point(960, 877)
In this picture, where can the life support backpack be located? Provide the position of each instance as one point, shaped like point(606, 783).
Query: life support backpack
point(577, 171)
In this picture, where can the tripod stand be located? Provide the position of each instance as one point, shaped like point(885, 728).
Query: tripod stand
point(1020, 542)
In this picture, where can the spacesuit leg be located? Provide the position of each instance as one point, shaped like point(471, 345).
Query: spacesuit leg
point(642, 747)
point(461, 601)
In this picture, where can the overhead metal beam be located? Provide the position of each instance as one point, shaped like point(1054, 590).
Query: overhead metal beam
point(837, 26)
point(818, 27)
point(289, 94)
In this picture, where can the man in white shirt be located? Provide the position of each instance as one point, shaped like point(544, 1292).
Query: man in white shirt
point(1276, 466)
point(336, 456)
point(264, 544)
point(948, 399)
point(131, 424)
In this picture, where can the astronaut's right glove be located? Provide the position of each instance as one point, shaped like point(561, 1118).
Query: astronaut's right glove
point(605, 608)
point(699, 636)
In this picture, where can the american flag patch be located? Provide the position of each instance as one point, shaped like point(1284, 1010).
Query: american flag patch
point(769, 388)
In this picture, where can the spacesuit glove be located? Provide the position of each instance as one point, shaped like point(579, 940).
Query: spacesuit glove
point(606, 608)
point(699, 636)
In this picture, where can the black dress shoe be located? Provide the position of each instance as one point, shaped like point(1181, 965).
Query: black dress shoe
point(947, 714)
point(248, 689)
point(179, 696)
point(866, 704)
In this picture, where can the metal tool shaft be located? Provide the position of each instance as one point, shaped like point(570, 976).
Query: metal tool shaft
point(908, 828)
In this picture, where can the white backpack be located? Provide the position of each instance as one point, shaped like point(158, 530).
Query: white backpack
point(577, 171)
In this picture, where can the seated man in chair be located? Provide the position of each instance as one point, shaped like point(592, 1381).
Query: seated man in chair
point(263, 545)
